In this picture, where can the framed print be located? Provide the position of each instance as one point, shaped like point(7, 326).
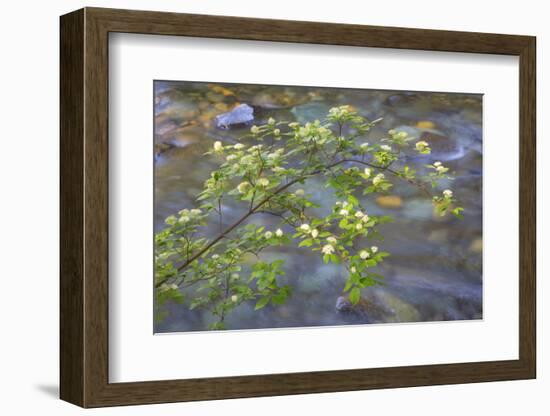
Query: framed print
point(260, 207)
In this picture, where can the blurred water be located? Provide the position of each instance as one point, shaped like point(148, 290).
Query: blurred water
point(434, 272)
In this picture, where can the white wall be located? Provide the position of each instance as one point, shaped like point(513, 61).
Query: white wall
point(29, 206)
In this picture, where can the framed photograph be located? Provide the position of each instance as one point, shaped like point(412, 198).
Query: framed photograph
point(263, 207)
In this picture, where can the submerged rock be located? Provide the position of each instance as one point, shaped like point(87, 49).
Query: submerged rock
point(161, 148)
point(343, 304)
point(275, 98)
point(389, 201)
point(476, 245)
point(401, 98)
point(425, 124)
point(240, 115)
point(185, 136)
point(369, 309)
point(310, 112)
point(443, 147)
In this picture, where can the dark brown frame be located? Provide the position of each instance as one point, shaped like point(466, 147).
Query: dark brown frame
point(84, 207)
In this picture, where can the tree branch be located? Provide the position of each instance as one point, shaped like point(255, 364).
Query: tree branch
point(393, 172)
point(265, 200)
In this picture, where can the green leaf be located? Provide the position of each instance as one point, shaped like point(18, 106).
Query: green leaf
point(306, 243)
point(348, 285)
point(354, 295)
point(262, 302)
point(457, 212)
point(353, 200)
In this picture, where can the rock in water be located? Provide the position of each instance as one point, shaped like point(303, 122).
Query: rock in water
point(371, 309)
point(242, 114)
point(345, 307)
point(389, 201)
point(161, 148)
point(310, 112)
point(343, 304)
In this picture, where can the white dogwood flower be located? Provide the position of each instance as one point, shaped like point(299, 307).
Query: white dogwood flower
point(386, 148)
point(246, 160)
point(374, 249)
point(359, 214)
point(218, 147)
point(368, 172)
point(344, 212)
point(305, 228)
point(331, 240)
point(243, 187)
point(263, 182)
point(171, 220)
point(448, 193)
point(279, 232)
point(364, 254)
point(378, 178)
point(314, 233)
point(255, 148)
point(327, 249)
point(268, 234)
point(421, 145)
point(359, 227)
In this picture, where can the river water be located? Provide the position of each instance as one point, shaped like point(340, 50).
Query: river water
point(435, 269)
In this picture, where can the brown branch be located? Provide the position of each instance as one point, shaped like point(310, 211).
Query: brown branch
point(265, 200)
point(240, 221)
point(394, 172)
point(276, 214)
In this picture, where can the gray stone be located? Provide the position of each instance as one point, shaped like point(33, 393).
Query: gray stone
point(343, 304)
point(242, 114)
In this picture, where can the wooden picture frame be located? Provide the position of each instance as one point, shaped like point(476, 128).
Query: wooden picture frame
point(84, 207)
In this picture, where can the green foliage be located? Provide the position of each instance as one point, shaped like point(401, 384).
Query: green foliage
point(266, 173)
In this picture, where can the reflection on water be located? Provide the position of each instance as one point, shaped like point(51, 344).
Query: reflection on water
point(434, 272)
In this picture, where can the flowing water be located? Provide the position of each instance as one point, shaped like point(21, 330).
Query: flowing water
point(434, 272)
